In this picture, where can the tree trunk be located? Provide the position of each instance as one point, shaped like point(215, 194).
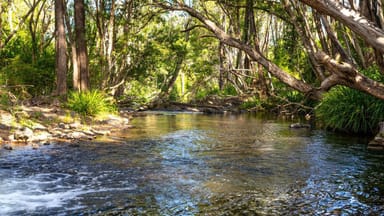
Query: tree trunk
point(259, 82)
point(72, 41)
point(372, 10)
point(172, 81)
point(111, 38)
point(362, 26)
point(1, 23)
point(61, 49)
point(75, 65)
point(303, 29)
point(221, 69)
point(81, 46)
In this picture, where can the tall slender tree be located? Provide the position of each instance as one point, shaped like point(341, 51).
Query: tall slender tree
point(82, 82)
point(61, 49)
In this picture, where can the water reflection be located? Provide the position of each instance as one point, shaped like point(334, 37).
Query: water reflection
point(193, 164)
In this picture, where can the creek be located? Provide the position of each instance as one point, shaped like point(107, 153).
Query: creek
point(195, 164)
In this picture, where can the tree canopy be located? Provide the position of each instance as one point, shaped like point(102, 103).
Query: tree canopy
point(184, 50)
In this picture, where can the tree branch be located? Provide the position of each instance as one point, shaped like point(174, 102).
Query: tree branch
point(23, 19)
point(351, 18)
point(250, 51)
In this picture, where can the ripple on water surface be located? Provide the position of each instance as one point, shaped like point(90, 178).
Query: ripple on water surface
point(187, 164)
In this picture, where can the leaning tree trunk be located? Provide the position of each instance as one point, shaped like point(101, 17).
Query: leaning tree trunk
point(373, 11)
point(250, 51)
point(341, 73)
point(362, 26)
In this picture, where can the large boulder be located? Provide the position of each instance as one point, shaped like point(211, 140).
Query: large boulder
point(41, 136)
point(113, 120)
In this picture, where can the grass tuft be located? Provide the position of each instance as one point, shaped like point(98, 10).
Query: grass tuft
point(91, 103)
point(350, 110)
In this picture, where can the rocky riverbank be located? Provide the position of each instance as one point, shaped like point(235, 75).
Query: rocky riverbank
point(35, 126)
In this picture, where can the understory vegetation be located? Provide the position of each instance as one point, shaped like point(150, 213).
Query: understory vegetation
point(349, 110)
point(91, 103)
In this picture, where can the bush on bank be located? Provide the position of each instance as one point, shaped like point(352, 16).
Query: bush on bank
point(91, 103)
point(350, 110)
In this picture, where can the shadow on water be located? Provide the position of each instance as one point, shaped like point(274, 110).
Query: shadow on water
point(193, 164)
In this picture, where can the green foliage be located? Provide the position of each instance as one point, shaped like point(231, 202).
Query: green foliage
point(140, 92)
point(289, 54)
point(90, 103)
point(174, 94)
point(201, 95)
point(26, 122)
point(293, 96)
point(253, 102)
point(26, 78)
point(5, 101)
point(229, 90)
point(350, 110)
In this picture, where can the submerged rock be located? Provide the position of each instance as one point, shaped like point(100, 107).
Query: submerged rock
point(8, 147)
point(35, 146)
point(299, 125)
point(74, 145)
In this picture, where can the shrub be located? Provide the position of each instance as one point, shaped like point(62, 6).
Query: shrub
point(350, 110)
point(229, 90)
point(4, 99)
point(90, 103)
point(29, 79)
point(174, 94)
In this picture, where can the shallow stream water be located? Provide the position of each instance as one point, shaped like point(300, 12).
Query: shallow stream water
point(194, 164)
